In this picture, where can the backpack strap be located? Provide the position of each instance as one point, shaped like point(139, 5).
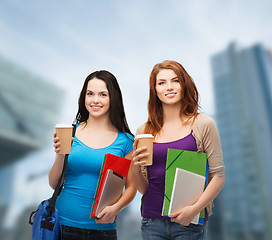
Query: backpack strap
point(51, 205)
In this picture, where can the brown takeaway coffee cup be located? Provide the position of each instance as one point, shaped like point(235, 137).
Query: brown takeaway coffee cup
point(146, 140)
point(64, 133)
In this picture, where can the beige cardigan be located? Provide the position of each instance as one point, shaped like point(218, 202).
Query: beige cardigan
point(208, 141)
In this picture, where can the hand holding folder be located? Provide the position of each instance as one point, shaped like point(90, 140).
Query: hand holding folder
point(187, 189)
point(111, 182)
point(195, 162)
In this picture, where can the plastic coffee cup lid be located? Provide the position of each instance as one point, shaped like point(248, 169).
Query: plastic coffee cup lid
point(63, 125)
point(144, 136)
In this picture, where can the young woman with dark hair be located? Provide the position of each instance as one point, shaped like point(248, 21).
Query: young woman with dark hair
point(101, 128)
point(175, 122)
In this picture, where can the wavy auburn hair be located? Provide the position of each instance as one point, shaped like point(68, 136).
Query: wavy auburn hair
point(190, 100)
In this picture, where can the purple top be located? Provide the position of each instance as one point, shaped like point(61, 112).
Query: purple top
point(154, 195)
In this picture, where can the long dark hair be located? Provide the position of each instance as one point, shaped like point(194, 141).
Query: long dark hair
point(190, 98)
point(117, 112)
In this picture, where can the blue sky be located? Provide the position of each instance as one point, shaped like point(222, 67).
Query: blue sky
point(64, 41)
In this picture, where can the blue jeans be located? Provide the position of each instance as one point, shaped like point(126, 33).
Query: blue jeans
point(157, 229)
point(71, 233)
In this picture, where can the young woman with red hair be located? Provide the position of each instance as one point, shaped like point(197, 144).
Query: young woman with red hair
point(175, 122)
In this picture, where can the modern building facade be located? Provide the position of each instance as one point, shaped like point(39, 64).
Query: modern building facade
point(29, 109)
point(243, 95)
point(29, 106)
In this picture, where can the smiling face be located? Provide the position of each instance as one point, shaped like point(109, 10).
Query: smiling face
point(168, 87)
point(97, 100)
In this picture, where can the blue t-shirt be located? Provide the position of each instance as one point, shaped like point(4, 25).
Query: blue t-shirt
point(84, 163)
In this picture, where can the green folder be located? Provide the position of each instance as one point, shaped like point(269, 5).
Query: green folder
point(195, 162)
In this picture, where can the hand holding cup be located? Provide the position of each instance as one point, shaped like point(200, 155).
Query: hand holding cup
point(56, 143)
point(138, 157)
point(63, 138)
point(143, 150)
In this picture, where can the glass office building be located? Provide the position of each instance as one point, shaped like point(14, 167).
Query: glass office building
point(243, 95)
point(29, 106)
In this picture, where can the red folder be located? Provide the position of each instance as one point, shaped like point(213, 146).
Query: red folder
point(111, 162)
